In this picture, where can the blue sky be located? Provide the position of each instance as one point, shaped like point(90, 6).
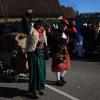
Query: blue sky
point(83, 6)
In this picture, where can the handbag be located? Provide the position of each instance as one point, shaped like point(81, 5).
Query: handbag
point(39, 52)
point(61, 58)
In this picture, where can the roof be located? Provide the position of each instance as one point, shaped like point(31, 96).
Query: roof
point(41, 8)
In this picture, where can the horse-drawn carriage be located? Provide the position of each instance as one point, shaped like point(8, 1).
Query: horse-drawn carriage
point(13, 59)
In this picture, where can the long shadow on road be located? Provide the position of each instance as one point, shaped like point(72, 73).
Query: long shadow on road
point(8, 92)
point(50, 82)
point(12, 92)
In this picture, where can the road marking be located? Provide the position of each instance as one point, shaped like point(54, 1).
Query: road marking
point(61, 92)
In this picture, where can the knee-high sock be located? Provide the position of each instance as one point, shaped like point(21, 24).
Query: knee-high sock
point(58, 75)
point(62, 74)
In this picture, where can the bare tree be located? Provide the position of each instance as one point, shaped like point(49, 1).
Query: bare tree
point(60, 2)
point(68, 3)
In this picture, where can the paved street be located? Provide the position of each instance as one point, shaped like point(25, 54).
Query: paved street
point(83, 83)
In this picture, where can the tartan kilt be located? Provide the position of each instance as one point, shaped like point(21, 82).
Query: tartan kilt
point(60, 66)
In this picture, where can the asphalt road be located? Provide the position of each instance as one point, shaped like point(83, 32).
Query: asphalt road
point(83, 83)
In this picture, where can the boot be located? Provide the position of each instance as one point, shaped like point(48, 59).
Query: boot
point(62, 79)
point(59, 83)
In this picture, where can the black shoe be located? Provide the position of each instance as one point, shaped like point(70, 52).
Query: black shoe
point(62, 79)
point(41, 92)
point(33, 95)
point(59, 83)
